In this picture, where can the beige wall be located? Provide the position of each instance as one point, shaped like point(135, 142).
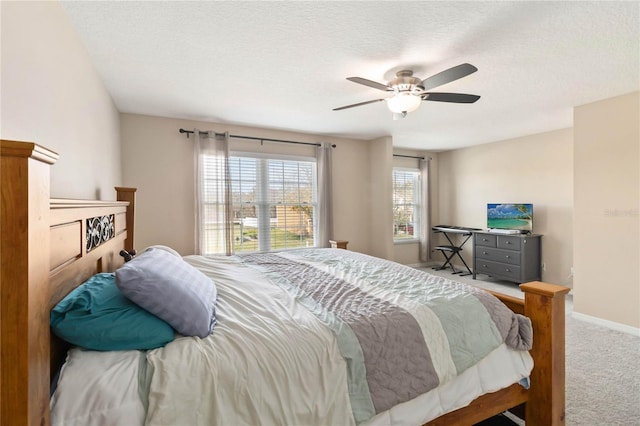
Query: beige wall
point(159, 162)
point(351, 194)
point(52, 95)
point(534, 169)
point(606, 203)
point(380, 188)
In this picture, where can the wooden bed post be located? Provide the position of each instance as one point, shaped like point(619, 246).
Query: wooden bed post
point(24, 259)
point(128, 194)
point(545, 400)
point(545, 306)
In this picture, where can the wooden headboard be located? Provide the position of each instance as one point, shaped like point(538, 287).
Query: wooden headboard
point(47, 248)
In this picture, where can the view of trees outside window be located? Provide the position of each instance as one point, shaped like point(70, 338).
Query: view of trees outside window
point(273, 203)
point(405, 203)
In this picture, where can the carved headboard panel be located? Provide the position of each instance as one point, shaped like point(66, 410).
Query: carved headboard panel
point(86, 237)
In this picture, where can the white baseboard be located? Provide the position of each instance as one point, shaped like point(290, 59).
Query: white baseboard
point(606, 323)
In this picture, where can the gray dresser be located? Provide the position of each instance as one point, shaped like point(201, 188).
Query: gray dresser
point(508, 257)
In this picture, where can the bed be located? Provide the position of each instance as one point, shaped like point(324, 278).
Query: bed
point(58, 244)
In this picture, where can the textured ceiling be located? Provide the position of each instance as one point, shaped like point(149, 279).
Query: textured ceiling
point(283, 65)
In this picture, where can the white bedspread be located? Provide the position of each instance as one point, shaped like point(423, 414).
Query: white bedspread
point(264, 372)
point(261, 363)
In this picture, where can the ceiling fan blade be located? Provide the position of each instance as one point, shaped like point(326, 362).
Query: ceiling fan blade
point(358, 104)
point(447, 76)
point(459, 98)
point(369, 83)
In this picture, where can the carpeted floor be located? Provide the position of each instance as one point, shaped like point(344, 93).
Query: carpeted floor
point(602, 367)
point(603, 375)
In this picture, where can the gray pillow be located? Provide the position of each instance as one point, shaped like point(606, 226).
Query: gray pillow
point(171, 289)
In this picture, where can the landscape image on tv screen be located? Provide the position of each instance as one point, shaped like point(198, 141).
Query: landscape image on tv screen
point(510, 216)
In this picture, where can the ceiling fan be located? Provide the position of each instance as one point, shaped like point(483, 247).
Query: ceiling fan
point(408, 91)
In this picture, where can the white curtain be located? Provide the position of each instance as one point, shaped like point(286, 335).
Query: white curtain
point(425, 210)
point(214, 219)
point(325, 205)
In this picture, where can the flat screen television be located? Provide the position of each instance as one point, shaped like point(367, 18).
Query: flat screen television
point(510, 216)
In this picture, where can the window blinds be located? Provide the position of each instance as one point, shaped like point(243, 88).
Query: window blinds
point(274, 202)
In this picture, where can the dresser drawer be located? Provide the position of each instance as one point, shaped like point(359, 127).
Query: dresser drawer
point(498, 269)
point(498, 255)
point(485, 240)
point(509, 242)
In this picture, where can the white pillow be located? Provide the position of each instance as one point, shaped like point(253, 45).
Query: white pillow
point(171, 289)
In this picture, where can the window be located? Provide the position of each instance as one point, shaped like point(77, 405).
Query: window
point(273, 203)
point(406, 203)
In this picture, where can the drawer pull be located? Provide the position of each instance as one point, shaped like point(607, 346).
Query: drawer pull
point(508, 242)
point(484, 252)
point(507, 270)
point(508, 257)
point(484, 239)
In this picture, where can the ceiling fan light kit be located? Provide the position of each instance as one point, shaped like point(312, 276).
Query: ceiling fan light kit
point(408, 91)
point(403, 102)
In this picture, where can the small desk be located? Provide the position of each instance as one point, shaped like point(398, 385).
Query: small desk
point(453, 249)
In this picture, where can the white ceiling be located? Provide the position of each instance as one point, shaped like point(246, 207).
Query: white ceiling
point(283, 65)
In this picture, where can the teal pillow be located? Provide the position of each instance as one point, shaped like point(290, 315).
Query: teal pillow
point(97, 316)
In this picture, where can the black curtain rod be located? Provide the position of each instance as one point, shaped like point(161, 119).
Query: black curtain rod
point(411, 156)
point(188, 132)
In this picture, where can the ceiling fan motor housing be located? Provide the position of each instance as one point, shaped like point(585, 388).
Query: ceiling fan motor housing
point(406, 82)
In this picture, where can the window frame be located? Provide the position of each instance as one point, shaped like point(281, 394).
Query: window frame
point(417, 204)
point(263, 204)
